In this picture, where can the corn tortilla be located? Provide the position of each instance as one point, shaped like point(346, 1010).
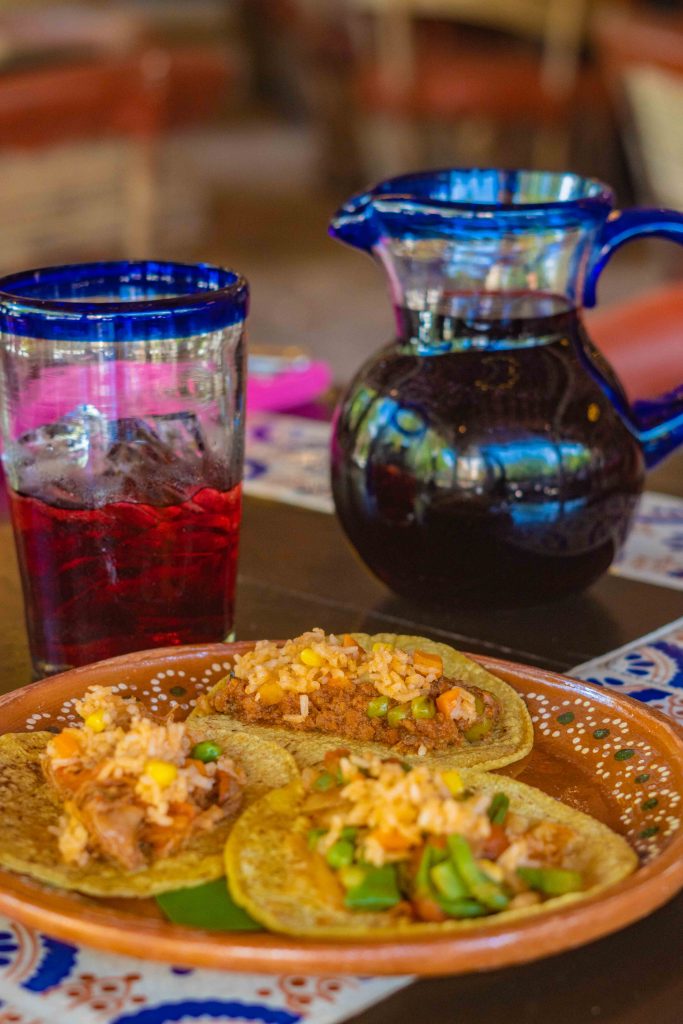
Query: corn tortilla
point(31, 811)
point(510, 740)
point(273, 876)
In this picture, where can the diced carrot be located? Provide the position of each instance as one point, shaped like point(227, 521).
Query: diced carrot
point(184, 809)
point(447, 702)
point(66, 744)
point(339, 683)
point(495, 843)
point(426, 909)
point(199, 765)
point(333, 757)
point(426, 662)
point(348, 641)
point(226, 782)
point(391, 839)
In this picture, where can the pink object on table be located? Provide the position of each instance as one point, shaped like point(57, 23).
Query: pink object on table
point(287, 388)
point(117, 389)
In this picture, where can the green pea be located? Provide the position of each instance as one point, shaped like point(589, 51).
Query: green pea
point(324, 782)
point(397, 714)
point(206, 751)
point(479, 730)
point(352, 875)
point(498, 808)
point(378, 707)
point(340, 854)
point(423, 707)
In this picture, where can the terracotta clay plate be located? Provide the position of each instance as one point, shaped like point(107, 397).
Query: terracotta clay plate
point(598, 751)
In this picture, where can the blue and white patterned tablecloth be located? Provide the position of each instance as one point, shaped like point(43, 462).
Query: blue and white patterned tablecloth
point(654, 549)
point(43, 981)
point(649, 669)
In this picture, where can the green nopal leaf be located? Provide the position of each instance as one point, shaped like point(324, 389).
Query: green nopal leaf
point(207, 906)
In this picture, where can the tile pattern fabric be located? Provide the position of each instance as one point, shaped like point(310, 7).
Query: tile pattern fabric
point(654, 549)
point(649, 669)
point(43, 981)
point(287, 459)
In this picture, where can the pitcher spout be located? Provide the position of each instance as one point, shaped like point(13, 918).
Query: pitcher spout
point(356, 223)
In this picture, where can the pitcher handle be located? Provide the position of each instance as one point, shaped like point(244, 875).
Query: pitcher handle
point(657, 424)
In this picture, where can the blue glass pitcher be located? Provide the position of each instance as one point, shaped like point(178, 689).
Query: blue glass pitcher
point(488, 453)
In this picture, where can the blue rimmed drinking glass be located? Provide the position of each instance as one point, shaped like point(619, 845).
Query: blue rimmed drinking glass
point(122, 426)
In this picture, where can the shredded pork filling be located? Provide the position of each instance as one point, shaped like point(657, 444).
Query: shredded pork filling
point(131, 789)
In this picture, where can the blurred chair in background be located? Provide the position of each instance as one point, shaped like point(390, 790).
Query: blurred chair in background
point(45, 109)
point(641, 337)
point(86, 98)
point(480, 68)
point(640, 50)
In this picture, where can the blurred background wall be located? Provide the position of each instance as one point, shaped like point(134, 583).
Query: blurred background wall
point(229, 130)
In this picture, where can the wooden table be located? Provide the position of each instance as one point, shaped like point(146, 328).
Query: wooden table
point(297, 572)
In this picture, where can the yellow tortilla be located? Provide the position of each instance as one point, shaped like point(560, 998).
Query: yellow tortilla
point(31, 811)
point(511, 738)
point(287, 888)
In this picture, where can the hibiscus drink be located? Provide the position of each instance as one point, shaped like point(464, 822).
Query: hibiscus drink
point(126, 576)
point(122, 440)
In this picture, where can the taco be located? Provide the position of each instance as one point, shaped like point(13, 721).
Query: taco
point(372, 848)
point(127, 804)
point(422, 700)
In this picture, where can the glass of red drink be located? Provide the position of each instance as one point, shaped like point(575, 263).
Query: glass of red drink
point(121, 418)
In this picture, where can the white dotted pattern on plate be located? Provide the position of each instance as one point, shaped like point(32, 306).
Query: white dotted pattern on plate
point(648, 806)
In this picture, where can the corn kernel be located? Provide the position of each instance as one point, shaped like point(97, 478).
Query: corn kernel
point(270, 693)
point(379, 646)
point(311, 658)
point(493, 870)
point(454, 782)
point(95, 722)
point(163, 772)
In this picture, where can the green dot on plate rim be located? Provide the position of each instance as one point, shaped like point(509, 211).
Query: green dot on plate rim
point(624, 754)
point(177, 691)
point(642, 778)
point(648, 833)
point(600, 734)
point(650, 803)
point(566, 717)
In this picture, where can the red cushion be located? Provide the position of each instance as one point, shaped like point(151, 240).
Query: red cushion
point(643, 340)
point(487, 81)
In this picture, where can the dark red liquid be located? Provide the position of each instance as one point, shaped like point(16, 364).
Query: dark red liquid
point(103, 581)
point(487, 465)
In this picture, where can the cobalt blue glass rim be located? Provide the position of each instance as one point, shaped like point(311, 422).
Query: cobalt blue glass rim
point(150, 299)
point(413, 188)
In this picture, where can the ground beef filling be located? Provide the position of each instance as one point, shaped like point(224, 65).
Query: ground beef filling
point(345, 713)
